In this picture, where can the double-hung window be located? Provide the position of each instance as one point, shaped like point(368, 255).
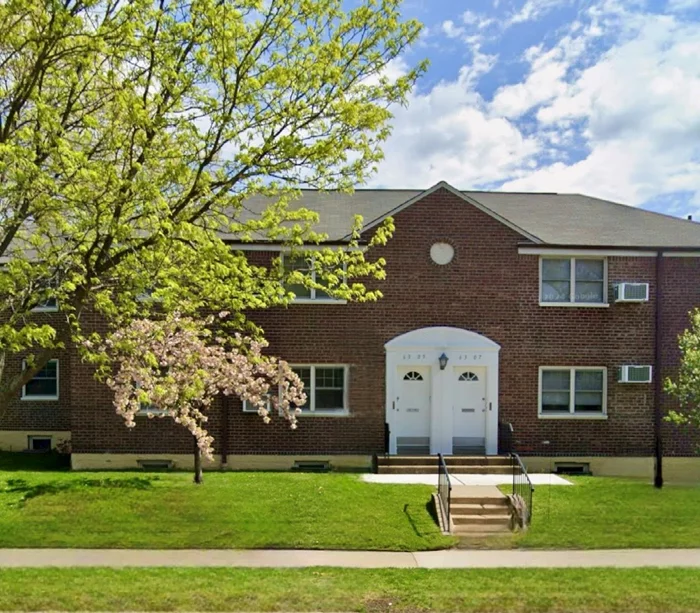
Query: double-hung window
point(44, 384)
point(577, 280)
point(326, 388)
point(572, 391)
point(300, 291)
point(50, 305)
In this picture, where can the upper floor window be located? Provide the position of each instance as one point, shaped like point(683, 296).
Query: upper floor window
point(326, 388)
point(301, 292)
point(44, 384)
point(572, 391)
point(573, 281)
point(50, 305)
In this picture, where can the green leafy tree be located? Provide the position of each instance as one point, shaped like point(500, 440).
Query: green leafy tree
point(134, 132)
point(685, 387)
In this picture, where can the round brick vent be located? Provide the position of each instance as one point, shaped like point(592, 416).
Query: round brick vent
point(442, 253)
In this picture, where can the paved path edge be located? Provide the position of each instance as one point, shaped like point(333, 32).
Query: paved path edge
point(285, 558)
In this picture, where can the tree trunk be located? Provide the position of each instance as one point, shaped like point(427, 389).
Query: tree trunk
point(198, 475)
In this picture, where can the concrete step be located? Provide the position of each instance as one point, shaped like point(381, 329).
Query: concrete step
point(451, 461)
point(479, 470)
point(478, 509)
point(481, 529)
point(429, 469)
point(414, 469)
point(478, 461)
point(481, 520)
point(500, 501)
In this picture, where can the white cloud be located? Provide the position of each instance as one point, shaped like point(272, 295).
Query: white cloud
point(683, 5)
point(635, 109)
point(609, 109)
point(451, 30)
point(447, 133)
point(532, 10)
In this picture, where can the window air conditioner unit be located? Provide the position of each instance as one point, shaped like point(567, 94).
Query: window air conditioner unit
point(631, 292)
point(635, 374)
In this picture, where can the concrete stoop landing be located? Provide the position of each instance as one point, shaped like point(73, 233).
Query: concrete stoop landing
point(479, 510)
point(427, 464)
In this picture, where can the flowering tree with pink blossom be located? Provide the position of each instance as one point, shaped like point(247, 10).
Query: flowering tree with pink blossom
point(178, 365)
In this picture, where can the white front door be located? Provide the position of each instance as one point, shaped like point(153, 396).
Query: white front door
point(412, 418)
point(468, 410)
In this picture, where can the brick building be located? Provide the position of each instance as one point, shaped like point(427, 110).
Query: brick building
point(498, 308)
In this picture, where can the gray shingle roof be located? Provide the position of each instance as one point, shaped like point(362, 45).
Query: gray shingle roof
point(549, 218)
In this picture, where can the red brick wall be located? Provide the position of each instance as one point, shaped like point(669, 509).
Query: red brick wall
point(680, 295)
point(38, 415)
point(488, 288)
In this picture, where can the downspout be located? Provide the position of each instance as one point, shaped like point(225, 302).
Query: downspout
point(658, 440)
point(223, 434)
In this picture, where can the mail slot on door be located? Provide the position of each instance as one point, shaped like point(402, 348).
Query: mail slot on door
point(468, 410)
point(412, 410)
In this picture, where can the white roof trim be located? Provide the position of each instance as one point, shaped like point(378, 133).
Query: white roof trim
point(456, 192)
point(583, 252)
point(441, 337)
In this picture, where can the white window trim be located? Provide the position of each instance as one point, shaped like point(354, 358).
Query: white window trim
point(572, 282)
point(311, 411)
point(572, 394)
point(58, 383)
point(145, 412)
point(249, 408)
point(312, 298)
point(32, 437)
point(46, 309)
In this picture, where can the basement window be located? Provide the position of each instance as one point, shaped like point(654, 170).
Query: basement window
point(39, 443)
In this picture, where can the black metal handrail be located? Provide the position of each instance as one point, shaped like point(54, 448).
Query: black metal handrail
point(444, 490)
point(522, 489)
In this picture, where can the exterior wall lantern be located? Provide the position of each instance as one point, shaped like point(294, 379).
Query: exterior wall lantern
point(443, 361)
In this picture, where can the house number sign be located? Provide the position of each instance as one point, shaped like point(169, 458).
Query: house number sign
point(418, 357)
point(469, 357)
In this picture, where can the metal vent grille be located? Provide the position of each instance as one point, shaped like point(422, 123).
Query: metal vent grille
point(468, 445)
point(413, 445)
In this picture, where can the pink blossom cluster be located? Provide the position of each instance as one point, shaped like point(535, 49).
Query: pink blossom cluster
point(177, 366)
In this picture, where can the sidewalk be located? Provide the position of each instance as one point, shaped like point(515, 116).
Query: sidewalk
point(453, 558)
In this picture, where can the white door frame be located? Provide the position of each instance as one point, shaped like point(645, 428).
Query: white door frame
point(423, 347)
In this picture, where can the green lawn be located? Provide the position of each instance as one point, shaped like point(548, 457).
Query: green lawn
point(231, 510)
point(603, 512)
point(374, 591)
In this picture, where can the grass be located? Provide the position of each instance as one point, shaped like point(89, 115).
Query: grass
point(604, 512)
point(231, 510)
point(374, 591)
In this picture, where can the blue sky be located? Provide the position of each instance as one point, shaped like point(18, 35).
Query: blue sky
point(599, 97)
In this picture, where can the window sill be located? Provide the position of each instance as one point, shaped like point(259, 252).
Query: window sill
point(585, 305)
point(40, 398)
point(324, 414)
point(45, 310)
point(318, 301)
point(155, 413)
point(574, 416)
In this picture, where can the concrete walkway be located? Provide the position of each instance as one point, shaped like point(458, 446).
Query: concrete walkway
point(466, 479)
point(453, 558)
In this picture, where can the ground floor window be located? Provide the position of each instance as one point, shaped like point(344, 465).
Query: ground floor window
point(566, 391)
point(44, 384)
point(326, 388)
